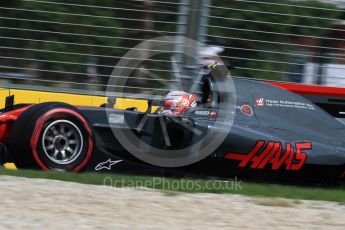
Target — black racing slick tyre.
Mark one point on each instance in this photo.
(53, 136)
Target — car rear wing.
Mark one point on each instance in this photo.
(331, 99)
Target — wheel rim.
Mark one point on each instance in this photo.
(62, 142)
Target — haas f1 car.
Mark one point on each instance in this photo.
(274, 130)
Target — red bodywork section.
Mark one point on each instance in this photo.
(311, 89)
(7, 120)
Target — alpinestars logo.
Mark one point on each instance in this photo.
(273, 154)
(106, 165)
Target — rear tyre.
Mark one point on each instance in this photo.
(51, 136)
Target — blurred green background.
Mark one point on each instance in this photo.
(63, 41)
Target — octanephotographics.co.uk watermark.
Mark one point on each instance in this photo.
(175, 184)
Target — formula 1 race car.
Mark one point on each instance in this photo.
(273, 130)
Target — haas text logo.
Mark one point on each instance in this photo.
(274, 155)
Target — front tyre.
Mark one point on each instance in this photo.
(51, 136)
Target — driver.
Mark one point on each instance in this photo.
(176, 102)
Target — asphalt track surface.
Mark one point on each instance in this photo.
(48, 204)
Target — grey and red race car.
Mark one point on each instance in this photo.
(270, 130)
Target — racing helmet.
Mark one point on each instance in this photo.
(176, 102)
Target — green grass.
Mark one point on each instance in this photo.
(171, 186)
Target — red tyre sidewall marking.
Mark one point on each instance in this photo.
(38, 129)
